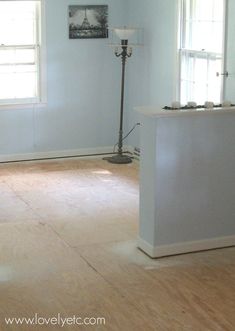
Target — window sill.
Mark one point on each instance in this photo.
(23, 106)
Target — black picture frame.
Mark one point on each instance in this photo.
(88, 21)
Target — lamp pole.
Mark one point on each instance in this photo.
(125, 53)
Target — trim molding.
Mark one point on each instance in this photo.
(185, 247)
(83, 152)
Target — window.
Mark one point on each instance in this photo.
(201, 50)
(20, 52)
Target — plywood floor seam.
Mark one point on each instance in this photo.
(68, 232)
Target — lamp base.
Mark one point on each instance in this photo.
(119, 159)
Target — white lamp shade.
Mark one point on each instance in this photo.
(124, 33)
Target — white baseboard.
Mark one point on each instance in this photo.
(58, 154)
(186, 247)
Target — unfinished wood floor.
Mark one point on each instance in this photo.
(68, 245)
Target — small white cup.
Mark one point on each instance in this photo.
(176, 105)
(192, 104)
(227, 103)
(209, 104)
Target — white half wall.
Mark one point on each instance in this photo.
(187, 179)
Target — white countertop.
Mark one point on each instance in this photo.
(159, 112)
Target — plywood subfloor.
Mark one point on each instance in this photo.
(68, 245)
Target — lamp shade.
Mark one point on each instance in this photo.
(124, 33)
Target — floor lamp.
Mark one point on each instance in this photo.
(125, 52)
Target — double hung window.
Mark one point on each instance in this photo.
(201, 50)
(20, 52)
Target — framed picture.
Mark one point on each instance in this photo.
(87, 22)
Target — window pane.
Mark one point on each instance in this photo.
(203, 25)
(199, 82)
(18, 50)
(18, 81)
(201, 50)
(12, 56)
(17, 22)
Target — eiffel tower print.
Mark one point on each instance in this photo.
(88, 22)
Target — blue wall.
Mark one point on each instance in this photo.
(83, 91)
(152, 69)
(84, 80)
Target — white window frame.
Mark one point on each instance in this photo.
(40, 47)
(202, 54)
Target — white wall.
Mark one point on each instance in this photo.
(83, 91)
